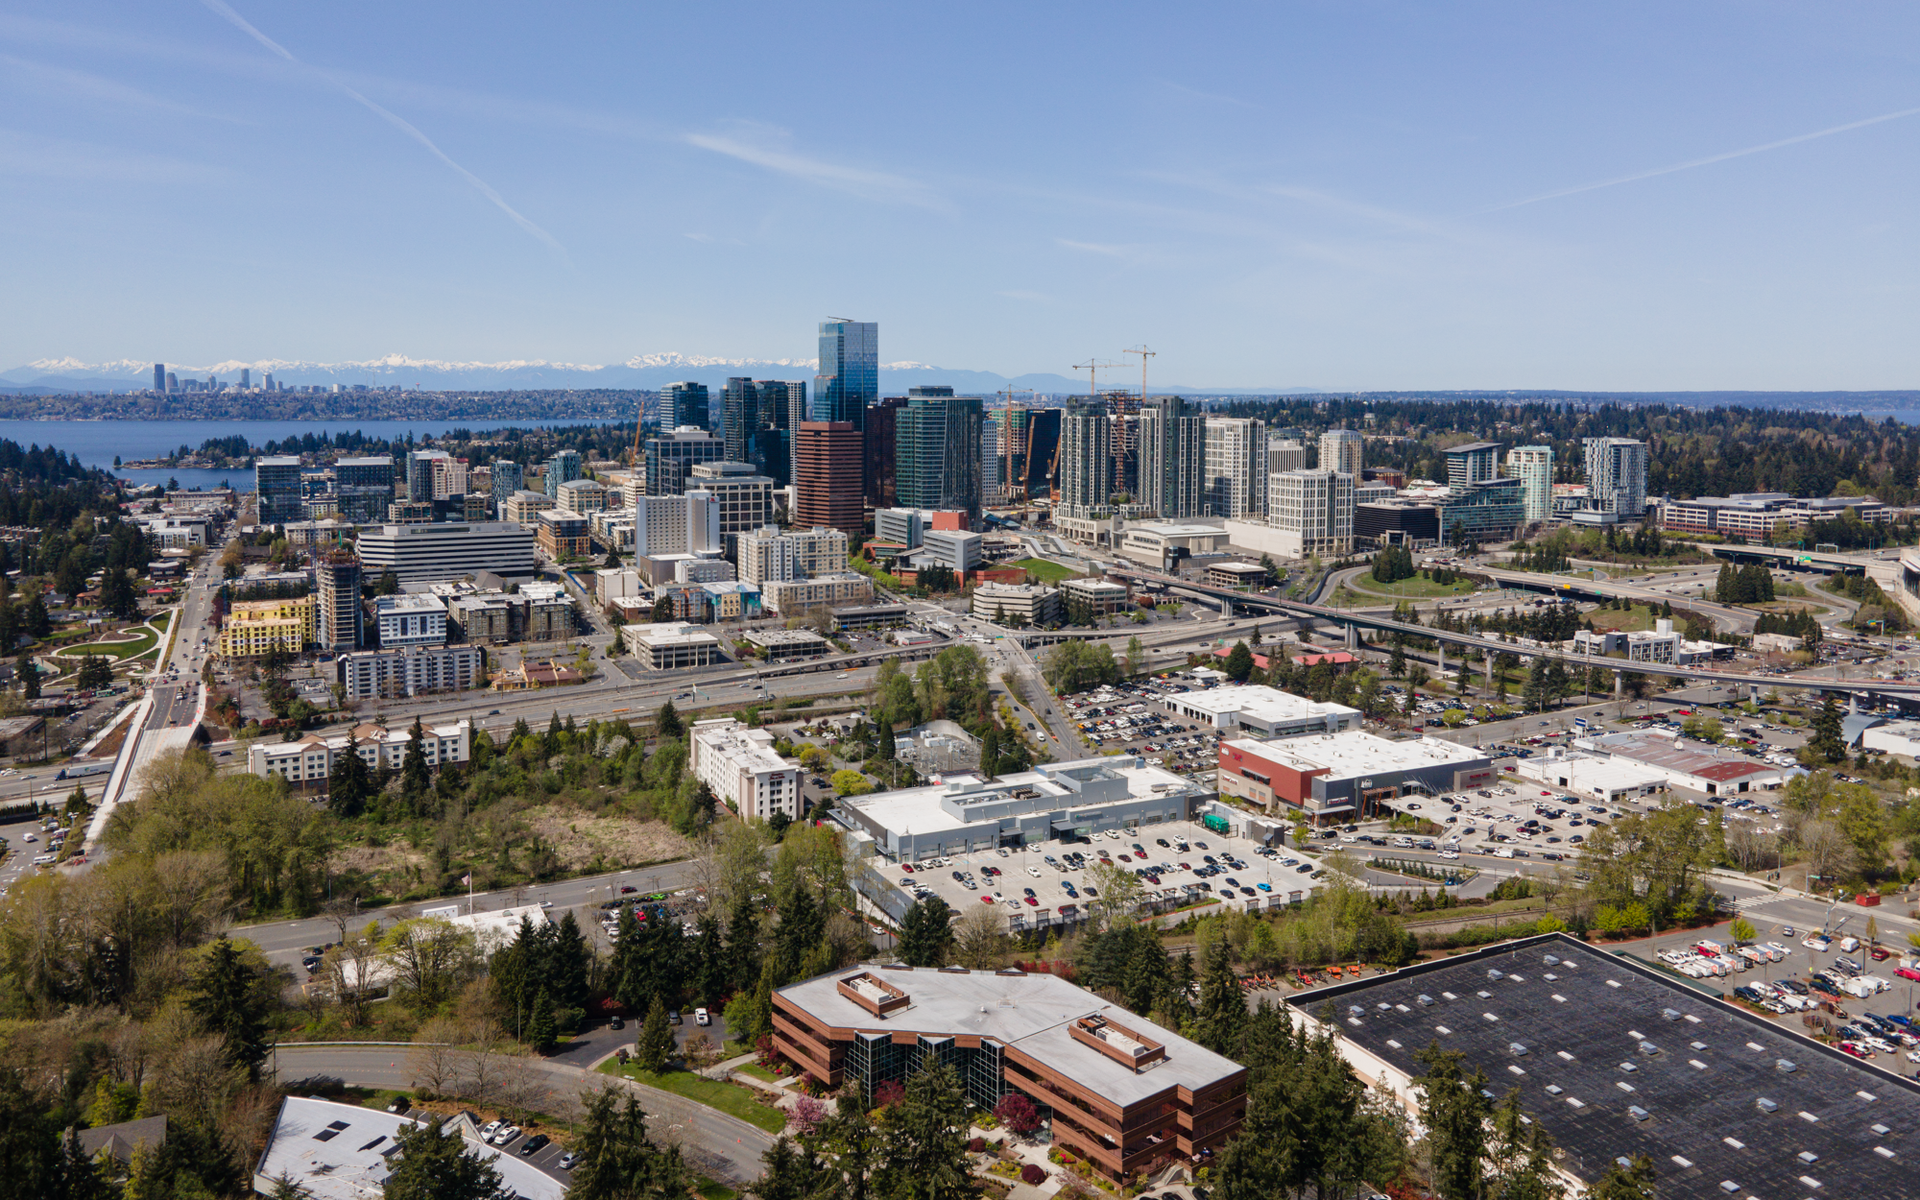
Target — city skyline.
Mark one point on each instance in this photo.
(1280, 197)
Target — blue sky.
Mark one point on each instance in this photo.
(1267, 194)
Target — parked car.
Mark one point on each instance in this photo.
(702, 1017)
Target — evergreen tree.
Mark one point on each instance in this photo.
(655, 1043)
(1635, 1181)
(1454, 1111)
(1222, 1015)
(743, 946)
(667, 725)
(541, 1034)
(926, 1156)
(349, 785)
(616, 1158)
(1239, 663)
(710, 964)
(414, 778)
(433, 1164)
(790, 1172)
(1826, 741)
(28, 674)
(233, 998)
(925, 933)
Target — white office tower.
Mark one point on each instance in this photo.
(703, 523)
(1342, 450)
(1285, 454)
(1236, 457)
(1616, 475)
(1086, 461)
(1533, 467)
(1313, 512)
(1173, 458)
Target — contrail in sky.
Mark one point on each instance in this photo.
(393, 119)
(1698, 162)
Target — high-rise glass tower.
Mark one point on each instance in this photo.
(159, 377)
(1236, 478)
(1173, 458)
(937, 451)
(1533, 467)
(1616, 475)
(1342, 450)
(564, 467)
(684, 404)
(508, 478)
(849, 377)
(276, 484)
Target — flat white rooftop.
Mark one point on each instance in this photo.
(675, 634)
(1266, 705)
(918, 810)
(345, 1152)
(1356, 752)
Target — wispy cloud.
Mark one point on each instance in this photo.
(1213, 97)
(1690, 164)
(860, 181)
(84, 85)
(1107, 249)
(27, 154)
(393, 119)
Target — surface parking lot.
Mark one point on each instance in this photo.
(1047, 883)
(1130, 717)
(1514, 816)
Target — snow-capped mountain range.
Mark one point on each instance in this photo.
(47, 375)
(639, 371)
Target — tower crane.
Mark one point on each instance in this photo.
(1006, 428)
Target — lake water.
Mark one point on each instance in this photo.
(96, 443)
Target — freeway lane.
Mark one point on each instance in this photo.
(716, 1144)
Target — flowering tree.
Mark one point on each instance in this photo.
(889, 1093)
(1017, 1113)
(805, 1116)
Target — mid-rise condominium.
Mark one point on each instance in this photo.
(1342, 450)
(338, 620)
(276, 483)
(365, 487)
(1086, 460)
(1236, 479)
(1173, 458)
(1533, 467)
(508, 478)
(937, 451)
(564, 467)
(420, 473)
(849, 377)
(771, 554)
(1312, 512)
(1616, 475)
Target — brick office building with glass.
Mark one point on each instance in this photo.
(1117, 1090)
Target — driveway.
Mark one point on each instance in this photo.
(716, 1144)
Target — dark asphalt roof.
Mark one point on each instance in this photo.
(1587, 1036)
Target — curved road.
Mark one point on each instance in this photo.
(714, 1143)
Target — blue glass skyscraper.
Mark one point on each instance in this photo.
(849, 377)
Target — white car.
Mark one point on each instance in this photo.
(1034, 871)
(702, 1017)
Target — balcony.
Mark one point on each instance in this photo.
(873, 993)
(1117, 1042)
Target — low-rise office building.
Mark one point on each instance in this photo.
(1592, 777)
(874, 616)
(564, 534)
(1340, 776)
(1100, 595)
(669, 645)
(1267, 711)
(967, 813)
(1017, 604)
(430, 553)
(410, 671)
(1116, 1090)
(783, 645)
(739, 764)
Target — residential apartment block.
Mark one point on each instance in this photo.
(256, 628)
(410, 671)
(739, 764)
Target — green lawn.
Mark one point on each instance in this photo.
(729, 1098)
(140, 644)
(758, 1072)
(1417, 588)
(1634, 620)
(1045, 569)
(709, 1190)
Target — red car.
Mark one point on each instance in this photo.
(627, 889)
(1904, 973)
(986, 899)
(1031, 901)
(907, 867)
(1880, 953)
(1857, 1052)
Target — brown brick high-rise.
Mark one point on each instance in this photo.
(830, 480)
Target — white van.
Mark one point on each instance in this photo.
(1849, 944)
(1503, 852)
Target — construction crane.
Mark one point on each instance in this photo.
(1144, 354)
(1093, 367)
(640, 418)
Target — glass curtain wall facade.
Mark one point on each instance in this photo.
(684, 404)
(849, 377)
(937, 452)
